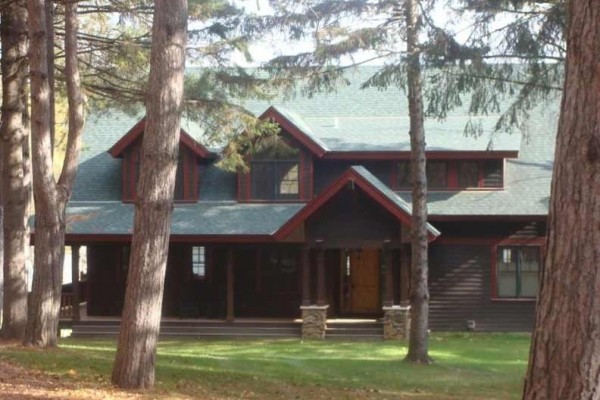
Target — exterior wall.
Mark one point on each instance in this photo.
(460, 276)
(460, 289)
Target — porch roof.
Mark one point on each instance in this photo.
(372, 186)
(200, 219)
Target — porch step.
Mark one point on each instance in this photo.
(197, 329)
(354, 330)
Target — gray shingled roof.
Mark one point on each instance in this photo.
(203, 218)
(346, 120)
(527, 179)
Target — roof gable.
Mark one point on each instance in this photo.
(373, 187)
(137, 131)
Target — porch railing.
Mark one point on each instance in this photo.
(66, 305)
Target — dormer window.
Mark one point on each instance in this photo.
(185, 189)
(192, 155)
(455, 174)
(275, 172)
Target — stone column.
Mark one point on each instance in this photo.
(314, 321)
(396, 322)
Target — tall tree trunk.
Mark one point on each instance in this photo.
(134, 362)
(418, 346)
(13, 32)
(50, 60)
(50, 197)
(565, 352)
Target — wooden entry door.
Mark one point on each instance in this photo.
(364, 281)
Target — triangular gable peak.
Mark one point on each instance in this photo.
(290, 125)
(119, 148)
(369, 184)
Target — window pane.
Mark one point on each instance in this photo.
(468, 174)
(507, 258)
(403, 177)
(529, 284)
(492, 173)
(507, 284)
(530, 259)
(287, 175)
(198, 261)
(436, 174)
(262, 180)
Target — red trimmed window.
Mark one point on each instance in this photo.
(186, 177)
(517, 271)
(451, 174)
(275, 173)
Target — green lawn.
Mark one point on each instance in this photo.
(468, 366)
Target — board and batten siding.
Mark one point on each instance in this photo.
(460, 290)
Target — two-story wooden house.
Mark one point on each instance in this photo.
(325, 222)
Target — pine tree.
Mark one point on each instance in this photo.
(13, 32)
(564, 362)
(51, 196)
(136, 351)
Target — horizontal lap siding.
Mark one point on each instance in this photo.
(460, 290)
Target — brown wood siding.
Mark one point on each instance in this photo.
(327, 171)
(352, 219)
(459, 282)
(490, 229)
(306, 175)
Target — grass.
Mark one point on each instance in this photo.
(468, 366)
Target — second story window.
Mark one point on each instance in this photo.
(453, 174)
(274, 172)
(180, 189)
(274, 179)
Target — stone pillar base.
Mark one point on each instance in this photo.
(396, 322)
(314, 321)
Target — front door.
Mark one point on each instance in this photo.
(363, 270)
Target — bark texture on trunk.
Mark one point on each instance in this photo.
(13, 32)
(136, 351)
(418, 345)
(48, 254)
(565, 351)
(50, 60)
(50, 197)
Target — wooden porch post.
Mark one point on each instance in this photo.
(405, 275)
(230, 286)
(321, 298)
(75, 281)
(306, 276)
(388, 300)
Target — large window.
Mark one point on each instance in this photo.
(517, 271)
(437, 175)
(453, 174)
(274, 179)
(199, 261)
